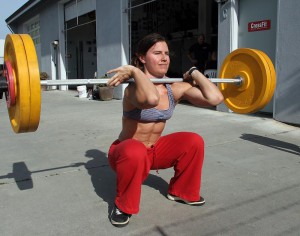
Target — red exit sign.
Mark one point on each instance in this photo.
(259, 25)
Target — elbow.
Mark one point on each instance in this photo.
(153, 101)
(148, 102)
(218, 99)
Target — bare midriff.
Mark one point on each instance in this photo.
(146, 132)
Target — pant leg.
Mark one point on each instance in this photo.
(130, 160)
(185, 152)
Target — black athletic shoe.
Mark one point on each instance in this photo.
(119, 218)
(178, 199)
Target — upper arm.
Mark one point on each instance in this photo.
(193, 94)
(131, 99)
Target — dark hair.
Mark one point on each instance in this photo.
(143, 46)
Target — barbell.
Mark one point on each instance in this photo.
(247, 81)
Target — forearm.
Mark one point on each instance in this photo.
(209, 90)
(146, 94)
(143, 93)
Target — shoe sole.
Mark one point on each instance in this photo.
(119, 224)
(178, 199)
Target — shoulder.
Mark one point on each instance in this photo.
(128, 94)
(179, 88)
(130, 88)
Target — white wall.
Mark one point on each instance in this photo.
(112, 38)
(287, 96)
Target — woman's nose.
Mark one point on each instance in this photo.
(165, 57)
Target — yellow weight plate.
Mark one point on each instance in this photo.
(273, 74)
(34, 83)
(250, 96)
(19, 113)
(265, 99)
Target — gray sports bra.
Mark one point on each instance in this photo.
(153, 114)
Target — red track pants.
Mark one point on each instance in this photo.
(132, 162)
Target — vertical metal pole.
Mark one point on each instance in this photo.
(129, 27)
(77, 10)
(66, 50)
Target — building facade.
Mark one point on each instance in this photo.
(86, 38)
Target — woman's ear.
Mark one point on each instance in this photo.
(142, 59)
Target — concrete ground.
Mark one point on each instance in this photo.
(56, 181)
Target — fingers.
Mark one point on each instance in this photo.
(187, 76)
(112, 71)
(121, 75)
(114, 80)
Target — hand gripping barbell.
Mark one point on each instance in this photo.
(247, 81)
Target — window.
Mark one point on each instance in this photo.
(33, 29)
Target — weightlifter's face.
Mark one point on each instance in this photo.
(157, 60)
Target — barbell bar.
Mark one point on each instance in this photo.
(247, 81)
(104, 81)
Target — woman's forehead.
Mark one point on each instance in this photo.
(159, 46)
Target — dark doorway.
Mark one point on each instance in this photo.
(81, 47)
(178, 21)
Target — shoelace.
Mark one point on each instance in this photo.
(118, 212)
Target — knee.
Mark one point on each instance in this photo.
(196, 140)
(197, 146)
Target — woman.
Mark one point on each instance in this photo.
(140, 146)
